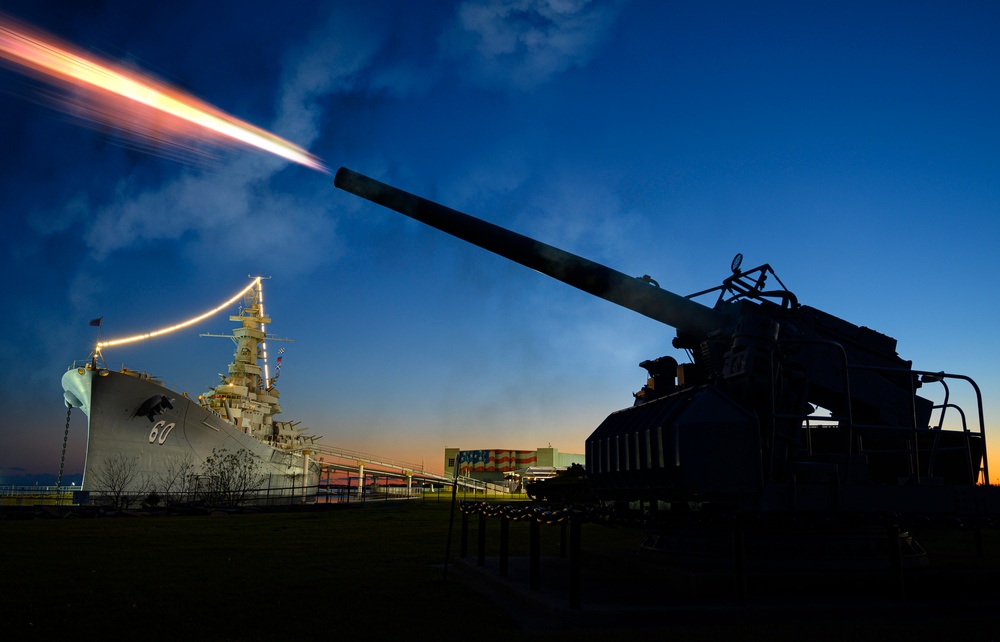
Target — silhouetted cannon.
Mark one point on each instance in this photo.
(738, 426)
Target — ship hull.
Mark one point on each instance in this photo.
(141, 446)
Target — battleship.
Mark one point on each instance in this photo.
(144, 438)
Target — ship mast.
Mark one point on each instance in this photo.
(246, 396)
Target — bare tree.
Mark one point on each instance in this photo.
(230, 478)
(119, 480)
(176, 476)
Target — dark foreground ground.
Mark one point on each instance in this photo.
(378, 572)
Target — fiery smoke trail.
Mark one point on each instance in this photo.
(131, 100)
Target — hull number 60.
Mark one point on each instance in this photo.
(158, 434)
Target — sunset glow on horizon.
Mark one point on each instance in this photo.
(132, 100)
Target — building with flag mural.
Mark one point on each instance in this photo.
(496, 465)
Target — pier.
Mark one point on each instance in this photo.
(362, 466)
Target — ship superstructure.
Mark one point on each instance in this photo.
(247, 396)
(147, 438)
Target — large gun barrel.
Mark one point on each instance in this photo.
(735, 425)
(689, 317)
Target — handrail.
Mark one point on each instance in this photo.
(927, 377)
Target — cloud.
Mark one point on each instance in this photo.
(513, 42)
(234, 213)
(245, 191)
(522, 43)
(569, 207)
(167, 212)
(582, 213)
(354, 51)
(331, 59)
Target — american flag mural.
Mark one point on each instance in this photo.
(472, 461)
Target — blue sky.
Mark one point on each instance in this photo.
(853, 146)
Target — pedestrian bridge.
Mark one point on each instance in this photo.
(343, 460)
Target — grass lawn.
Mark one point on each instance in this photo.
(374, 572)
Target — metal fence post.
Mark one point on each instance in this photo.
(575, 533)
(463, 550)
(481, 539)
(504, 544)
(534, 559)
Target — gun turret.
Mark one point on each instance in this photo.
(738, 417)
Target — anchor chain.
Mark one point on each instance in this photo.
(62, 460)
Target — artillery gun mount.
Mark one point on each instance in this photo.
(733, 436)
